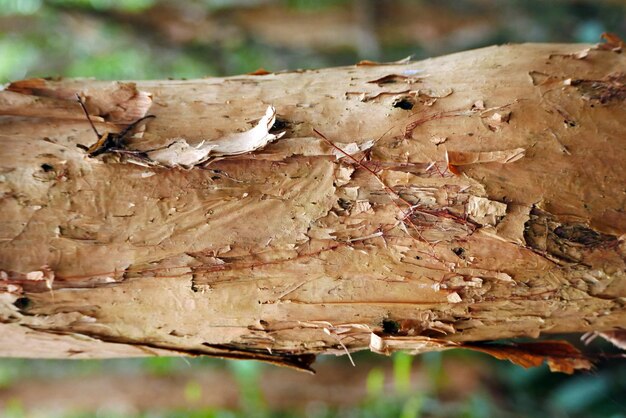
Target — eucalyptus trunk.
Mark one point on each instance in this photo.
(412, 205)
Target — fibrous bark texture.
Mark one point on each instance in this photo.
(417, 206)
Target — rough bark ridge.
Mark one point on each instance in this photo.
(446, 202)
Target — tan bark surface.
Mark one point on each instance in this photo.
(461, 199)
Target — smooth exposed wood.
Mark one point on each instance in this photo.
(492, 208)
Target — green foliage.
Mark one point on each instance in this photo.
(375, 383)
(247, 374)
(314, 4)
(19, 7)
(14, 409)
(412, 407)
(18, 57)
(120, 5)
(160, 366)
(402, 372)
(99, 38)
(511, 392)
(56, 44)
(193, 391)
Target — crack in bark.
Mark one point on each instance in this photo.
(300, 362)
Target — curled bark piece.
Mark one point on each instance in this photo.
(180, 153)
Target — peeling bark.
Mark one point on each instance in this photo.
(488, 205)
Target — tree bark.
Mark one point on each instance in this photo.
(417, 206)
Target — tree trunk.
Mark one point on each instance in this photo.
(417, 206)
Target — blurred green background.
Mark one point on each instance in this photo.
(147, 39)
(150, 39)
(450, 384)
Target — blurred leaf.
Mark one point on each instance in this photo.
(244, 58)
(18, 56)
(19, 7)
(375, 382)
(13, 409)
(187, 67)
(193, 391)
(402, 372)
(8, 374)
(412, 407)
(248, 373)
(120, 65)
(314, 4)
(159, 366)
(199, 413)
(121, 5)
(225, 414)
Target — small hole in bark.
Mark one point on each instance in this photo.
(47, 167)
(22, 303)
(390, 326)
(417, 257)
(279, 125)
(344, 204)
(405, 103)
(458, 251)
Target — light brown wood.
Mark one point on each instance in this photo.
(461, 199)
